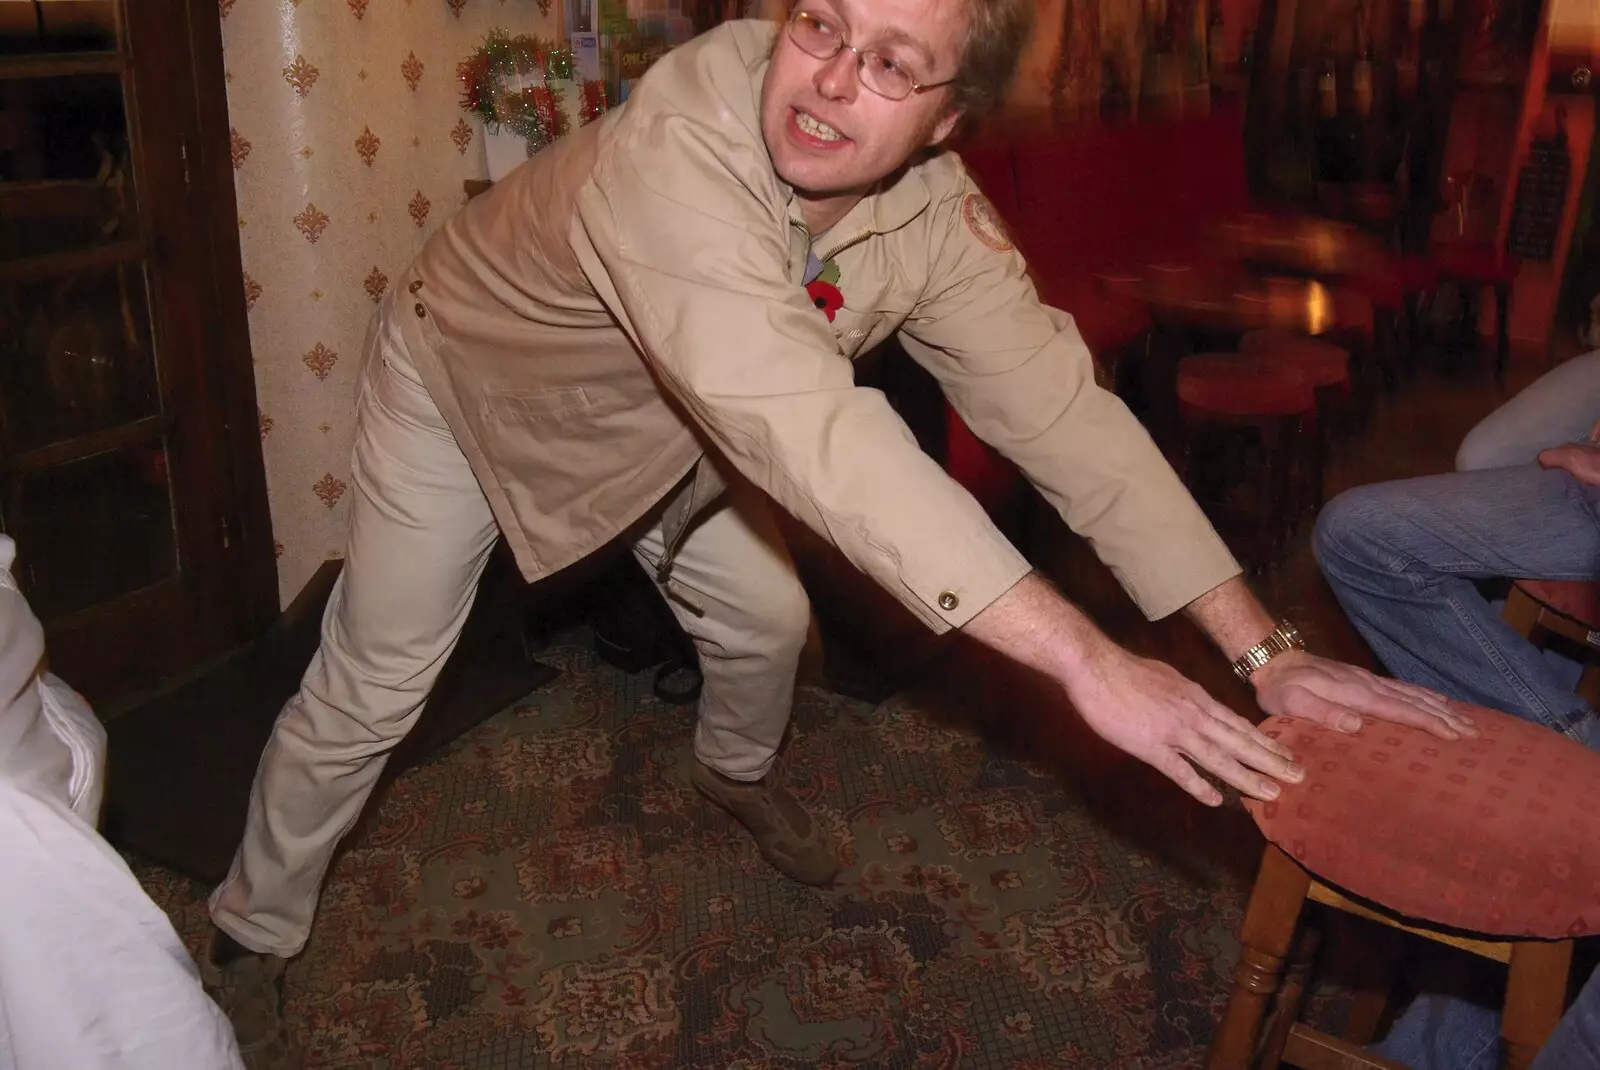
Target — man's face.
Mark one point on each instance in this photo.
(830, 135)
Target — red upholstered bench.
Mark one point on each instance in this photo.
(1492, 845)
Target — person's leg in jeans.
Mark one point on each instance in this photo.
(420, 533)
(1401, 557)
(1575, 1044)
(1558, 407)
(735, 591)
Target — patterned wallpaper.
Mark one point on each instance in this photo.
(349, 149)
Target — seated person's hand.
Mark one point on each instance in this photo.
(1340, 696)
(1580, 460)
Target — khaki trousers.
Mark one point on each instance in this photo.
(420, 533)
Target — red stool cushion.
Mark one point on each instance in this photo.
(1324, 363)
(1499, 835)
(1244, 385)
(1570, 598)
(1474, 262)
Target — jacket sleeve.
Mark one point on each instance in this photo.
(694, 261)
(1021, 377)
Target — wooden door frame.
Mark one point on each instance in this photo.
(256, 572)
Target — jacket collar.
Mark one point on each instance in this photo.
(892, 204)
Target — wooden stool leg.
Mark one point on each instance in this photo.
(1291, 997)
(1269, 926)
(1502, 334)
(1521, 612)
(1536, 996)
(1277, 483)
(1589, 685)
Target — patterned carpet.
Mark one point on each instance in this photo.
(550, 892)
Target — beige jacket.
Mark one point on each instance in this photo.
(630, 302)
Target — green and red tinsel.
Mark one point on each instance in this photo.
(506, 83)
(593, 104)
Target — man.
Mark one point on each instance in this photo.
(619, 331)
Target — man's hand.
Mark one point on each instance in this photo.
(1143, 707)
(1330, 693)
(1153, 712)
(1580, 460)
(1339, 696)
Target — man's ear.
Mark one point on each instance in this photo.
(944, 128)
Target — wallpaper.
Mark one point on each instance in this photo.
(349, 149)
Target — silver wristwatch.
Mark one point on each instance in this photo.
(1283, 637)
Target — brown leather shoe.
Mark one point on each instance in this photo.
(785, 833)
(249, 989)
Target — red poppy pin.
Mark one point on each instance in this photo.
(825, 292)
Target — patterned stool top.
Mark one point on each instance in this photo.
(1498, 835)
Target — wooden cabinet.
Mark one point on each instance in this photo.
(130, 461)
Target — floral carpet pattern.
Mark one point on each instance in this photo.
(549, 891)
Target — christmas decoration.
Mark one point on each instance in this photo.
(506, 84)
(593, 103)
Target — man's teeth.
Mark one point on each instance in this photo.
(818, 129)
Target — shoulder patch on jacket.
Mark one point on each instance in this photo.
(985, 223)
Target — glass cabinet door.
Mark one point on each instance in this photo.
(82, 427)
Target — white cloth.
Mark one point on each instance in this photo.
(49, 738)
(92, 975)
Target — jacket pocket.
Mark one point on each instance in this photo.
(516, 406)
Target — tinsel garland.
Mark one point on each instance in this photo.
(495, 86)
(593, 104)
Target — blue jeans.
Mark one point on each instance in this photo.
(1442, 1032)
(1401, 558)
(1558, 407)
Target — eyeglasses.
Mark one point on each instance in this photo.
(886, 77)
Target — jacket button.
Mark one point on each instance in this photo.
(948, 601)
(416, 284)
(421, 312)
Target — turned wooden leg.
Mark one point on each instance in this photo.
(1536, 996)
(1502, 348)
(1589, 685)
(1291, 997)
(1276, 487)
(1269, 926)
(1521, 612)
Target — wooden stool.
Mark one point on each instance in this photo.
(1277, 402)
(1475, 266)
(1328, 368)
(1396, 287)
(1488, 845)
(1568, 608)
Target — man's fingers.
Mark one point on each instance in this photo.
(1222, 763)
(1183, 774)
(1249, 743)
(1433, 701)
